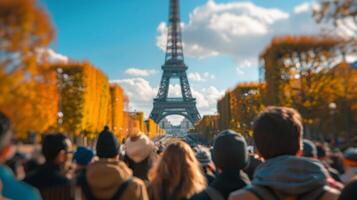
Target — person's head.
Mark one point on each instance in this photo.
(321, 151)
(204, 157)
(350, 191)
(230, 151)
(179, 169)
(350, 158)
(83, 156)
(5, 138)
(55, 148)
(309, 149)
(107, 145)
(278, 131)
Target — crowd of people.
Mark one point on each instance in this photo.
(282, 165)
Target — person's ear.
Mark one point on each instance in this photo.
(61, 156)
(300, 152)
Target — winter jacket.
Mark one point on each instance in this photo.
(289, 177)
(225, 183)
(50, 182)
(16, 190)
(105, 176)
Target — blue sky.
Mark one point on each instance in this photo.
(222, 40)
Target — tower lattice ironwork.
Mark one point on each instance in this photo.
(174, 67)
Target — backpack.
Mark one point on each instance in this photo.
(266, 193)
(89, 195)
(214, 194)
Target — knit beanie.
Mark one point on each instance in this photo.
(107, 144)
(204, 157)
(230, 151)
(309, 150)
(83, 156)
(140, 148)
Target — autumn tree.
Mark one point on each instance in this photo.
(27, 86)
(296, 73)
(248, 105)
(339, 12)
(85, 99)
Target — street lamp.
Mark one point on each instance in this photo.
(60, 77)
(332, 106)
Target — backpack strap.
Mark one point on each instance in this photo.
(262, 193)
(213, 193)
(86, 190)
(315, 194)
(122, 189)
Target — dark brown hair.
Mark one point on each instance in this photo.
(278, 131)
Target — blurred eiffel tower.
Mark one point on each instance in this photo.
(174, 68)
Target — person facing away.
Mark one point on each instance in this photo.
(230, 156)
(204, 157)
(177, 175)
(277, 133)
(50, 178)
(140, 154)
(81, 158)
(350, 163)
(310, 151)
(11, 188)
(109, 178)
(350, 191)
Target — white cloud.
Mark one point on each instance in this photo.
(51, 55)
(140, 93)
(304, 7)
(239, 71)
(200, 77)
(140, 72)
(240, 30)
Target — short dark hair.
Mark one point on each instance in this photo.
(278, 131)
(52, 144)
(5, 126)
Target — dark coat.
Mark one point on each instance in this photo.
(50, 182)
(48, 175)
(225, 183)
(141, 169)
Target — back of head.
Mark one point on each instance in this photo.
(321, 151)
(5, 132)
(350, 191)
(107, 144)
(204, 156)
(350, 157)
(278, 131)
(230, 151)
(177, 168)
(83, 156)
(53, 144)
(309, 149)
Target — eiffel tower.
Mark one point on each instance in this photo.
(174, 68)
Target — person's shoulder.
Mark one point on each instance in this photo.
(331, 194)
(24, 191)
(242, 195)
(200, 196)
(137, 182)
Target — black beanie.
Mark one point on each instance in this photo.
(230, 151)
(107, 144)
